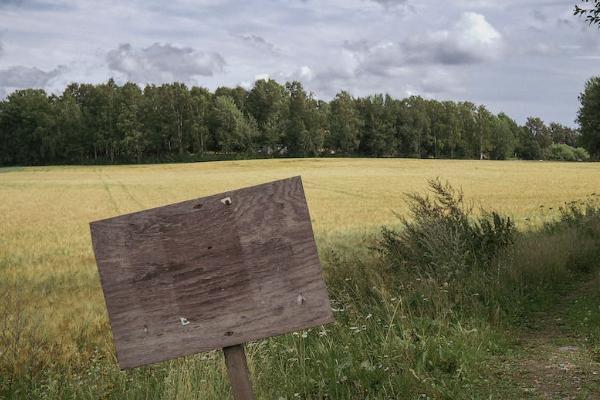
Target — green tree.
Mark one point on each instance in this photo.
(124, 123)
(70, 142)
(129, 123)
(454, 129)
(108, 139)
(233, 131)
(317, 127)
(154, 121)
(177, 100)
(503, 137)
(484, 122)
(27, 122)
(539, 131)
(467, 113)
(267, 103)
(238, 94)
(563, 134)
(379, 133)
(588, 117)
(91, 105)
(527, 147)
(304, 131)
(344, 124)
(197, 121)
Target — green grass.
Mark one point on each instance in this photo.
(397, 334)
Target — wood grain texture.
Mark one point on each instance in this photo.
(237, 369)
(210, 273)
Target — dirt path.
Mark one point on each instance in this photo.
(552, 359)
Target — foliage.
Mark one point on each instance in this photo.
(564, 152)
(581, 154)
(588, 116)
(344, 124)
(578, 213)
(442, 238)
(502, 138)
(591, 14)
(233, 131)
(109, 123)
(582, 219)
(528, 148)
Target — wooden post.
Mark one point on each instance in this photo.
(235, 359)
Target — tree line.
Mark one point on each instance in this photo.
(111, 123)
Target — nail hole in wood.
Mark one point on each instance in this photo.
(226, 201)
(199, 205)
(229, 333)
(209, 247)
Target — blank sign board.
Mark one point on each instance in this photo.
(209, 273)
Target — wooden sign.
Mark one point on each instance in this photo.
(210, 273)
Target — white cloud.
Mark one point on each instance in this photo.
(471, 40)
(475, 29)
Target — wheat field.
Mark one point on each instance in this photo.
(45, 211)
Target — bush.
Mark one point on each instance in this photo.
(581, 154)
(443, 237)
(560, 152)
(564, 152)
(583, 219)
(460, 261)
(582, 214)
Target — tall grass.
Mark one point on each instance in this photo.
(420, 308)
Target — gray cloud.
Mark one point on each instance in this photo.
(163, 63)
(19, 76)
(539, 15)
(525, 58)
(428, 81)
(391, 3)
(429, 63)
(386, 4)
(38, 5)
(259, 42)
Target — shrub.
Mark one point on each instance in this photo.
(443, 237)
(564, 152)
(561, 152)
(583, 219)
(446, 253)
(584, 214)
(581, 154)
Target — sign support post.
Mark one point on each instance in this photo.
(237, 368)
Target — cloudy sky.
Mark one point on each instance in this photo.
(523, 57)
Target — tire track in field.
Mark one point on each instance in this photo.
(110, 195)
(130, 195)
(339, 191)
